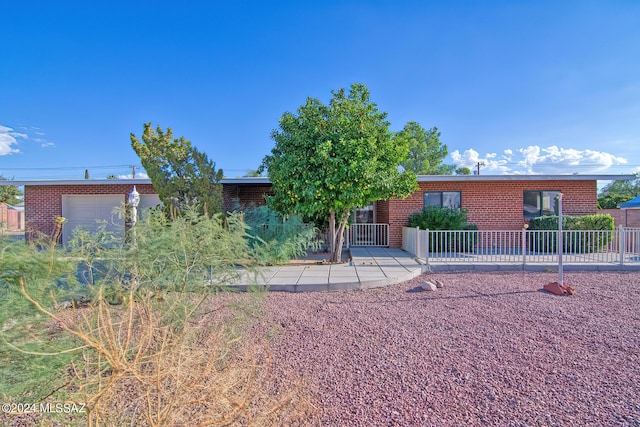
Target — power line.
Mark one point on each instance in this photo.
(66, 168)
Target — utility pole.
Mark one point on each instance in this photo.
(133, 171)
(478, 165)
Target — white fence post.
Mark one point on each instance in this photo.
(388, 235)
(524, 247)
(418, 242)
(622, 243)
(426, 246)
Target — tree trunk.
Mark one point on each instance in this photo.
(332, 232)
(336, 253)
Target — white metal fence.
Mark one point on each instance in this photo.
(620, 246)
(362, 235)
(368, 235)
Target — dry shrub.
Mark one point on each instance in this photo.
(160, 357)
(143, 366)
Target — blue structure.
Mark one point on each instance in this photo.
(630, 204)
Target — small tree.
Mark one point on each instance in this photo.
(182, 175)
(463, 171)
(618, 192)
(331, 159)
(9, 194)
(426, 152)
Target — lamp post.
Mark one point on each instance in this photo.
(134, 201)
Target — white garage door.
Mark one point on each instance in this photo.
(86, 210)
(148, 201)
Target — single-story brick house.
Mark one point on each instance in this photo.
(493, 202)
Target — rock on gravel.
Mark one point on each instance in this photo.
(428, 286)
(488, 349)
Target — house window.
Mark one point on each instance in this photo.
(364, 215)
(445, 199)
(540, 203)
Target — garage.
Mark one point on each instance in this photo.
(86, 210)
(148, 201)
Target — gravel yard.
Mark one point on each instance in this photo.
(488, 349)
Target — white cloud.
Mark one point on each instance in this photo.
(537, 160)
(488, 164)
(555, 159)
(44, 143)
(8, 139)
(139, 175)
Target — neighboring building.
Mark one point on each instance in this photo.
(631, 204)
(11, 217)
(493, 202)
(626, 215)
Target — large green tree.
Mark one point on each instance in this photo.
(618, 192)
(182, 175)
(9, 194)
(331, 159)
(426, 152)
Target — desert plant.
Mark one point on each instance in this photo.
(188, 252)
(25, 373)
(161, 356)
(276, 240)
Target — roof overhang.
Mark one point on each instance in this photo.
(244, 180)
(76, 182)
(248, 180)
(449, 178)
(263, 180)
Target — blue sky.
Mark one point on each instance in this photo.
(525, 86)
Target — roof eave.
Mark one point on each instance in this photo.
(576, 177)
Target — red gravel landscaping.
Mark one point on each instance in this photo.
(488, 349)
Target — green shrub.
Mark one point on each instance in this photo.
(572, 242)
(169, 350)
(440, 218)
(276, 240)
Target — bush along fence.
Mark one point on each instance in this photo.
(617, 246)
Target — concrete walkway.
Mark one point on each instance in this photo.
(379, 267)
(369, 268)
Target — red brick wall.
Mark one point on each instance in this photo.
(493, 205)
(246, 195)
(44, 202)
(382, 212)
(623, 217)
